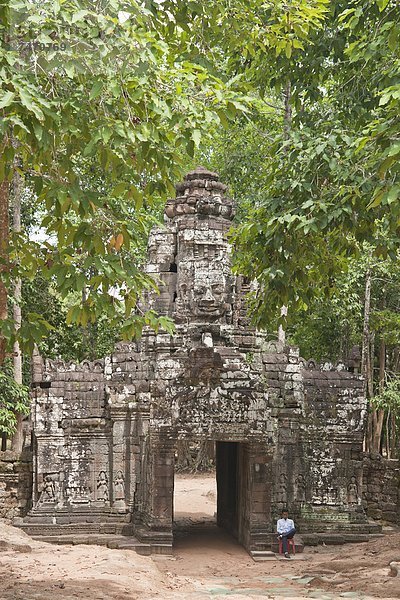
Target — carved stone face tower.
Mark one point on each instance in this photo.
(287, 433)
(191, 257)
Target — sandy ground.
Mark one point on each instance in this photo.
(207, 563)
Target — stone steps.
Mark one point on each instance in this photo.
(45, 529)
(262, 555)
(309, 527)
(313, 539)
(119, 542)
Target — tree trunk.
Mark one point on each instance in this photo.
(378, 417)
(396, 359)
(370, 365)
(382, 371)
(4, 241)
(365, 358)
(394, 449)
(196, 457)
(205, 458)
(184, 456)
(287, 125)
(281, 331)
(287, 117)
(366, 336)
(17, 189)
(388, 433)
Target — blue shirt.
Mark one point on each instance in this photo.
(284, 525)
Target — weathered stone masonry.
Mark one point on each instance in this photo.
(381, 488)
(15, 484)
(287, 433)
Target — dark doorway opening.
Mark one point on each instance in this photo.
(228, 490)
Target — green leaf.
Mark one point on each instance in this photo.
(96, 89)
(382, 4)
(79, 15)
(393, 194)
(196, 137)
(6, 99)
(29, 103)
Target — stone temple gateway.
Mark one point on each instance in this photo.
(287, 433)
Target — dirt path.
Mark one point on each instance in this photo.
(207, 564)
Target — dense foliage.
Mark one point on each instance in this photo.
(331, 175)
(103, 83)
(14, 398)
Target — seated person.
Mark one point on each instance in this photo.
(286, 530)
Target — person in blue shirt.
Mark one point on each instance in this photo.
(286, 530)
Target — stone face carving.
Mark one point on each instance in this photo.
(202, 294)
(208, 296)
(285, 429)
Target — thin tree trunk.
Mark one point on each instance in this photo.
(388, 433)
(287, 125)
(365, 352)
(394, 450)
(17, 441)
(396, 359)
(382, 371)
(366, 336)
(378, 420)
(4, 241)
(287, 117)
(382, 364)
(378, 415)
(370, 365)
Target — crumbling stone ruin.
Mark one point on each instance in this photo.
(381, 488)
(287, 433)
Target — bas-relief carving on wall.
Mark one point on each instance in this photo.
(102, 487)
(119, 486)
(301, 489)
(352, 492)
(49, 491)
(281, 496)
(78, 495)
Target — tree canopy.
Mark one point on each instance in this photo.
(99, 106)
(331, 175)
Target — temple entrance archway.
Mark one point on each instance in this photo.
(243, 478)
(237, 497)
(216, 499)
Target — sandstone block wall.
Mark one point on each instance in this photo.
(381, 488)
(15, 484)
